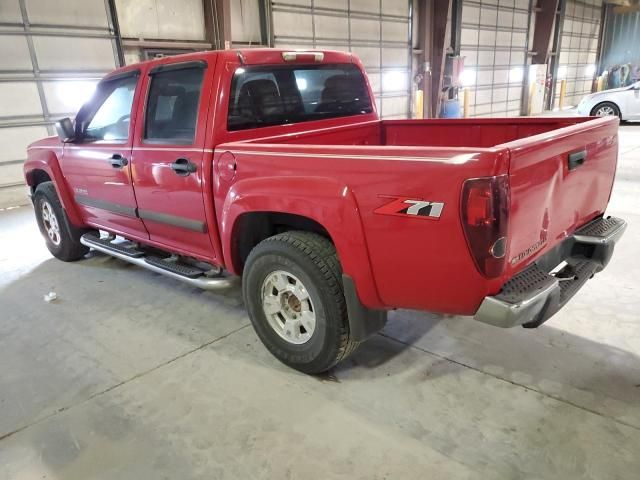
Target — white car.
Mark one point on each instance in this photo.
(623, 102)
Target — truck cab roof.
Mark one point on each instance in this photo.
(249, 56)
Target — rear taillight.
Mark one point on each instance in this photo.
(485, 218)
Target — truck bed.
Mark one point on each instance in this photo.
(471, 133)
(427, 264)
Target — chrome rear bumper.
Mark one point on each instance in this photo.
(534, 295)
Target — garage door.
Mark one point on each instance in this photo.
(578, 49)
(51, 55)
(378, 31)
(493, 40)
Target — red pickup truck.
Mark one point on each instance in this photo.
(274, 166)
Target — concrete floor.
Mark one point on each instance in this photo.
(130, 375)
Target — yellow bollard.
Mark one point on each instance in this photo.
(467, 98)
(563, 93)
(600, 84)
(419, 103)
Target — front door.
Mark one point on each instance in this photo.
(169, 155)
(97, 165)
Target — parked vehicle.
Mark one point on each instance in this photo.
(274, 166)
(619, 102)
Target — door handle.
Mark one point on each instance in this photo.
(118, 161)
(183, 167)
(576, 159)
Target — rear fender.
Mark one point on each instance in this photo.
(324, 200)
(47, 161)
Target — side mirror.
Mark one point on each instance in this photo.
(65, 130)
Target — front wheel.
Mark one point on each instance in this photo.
(62, 238)
(292, 287)
(605, 109)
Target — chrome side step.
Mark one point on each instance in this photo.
(120, 252)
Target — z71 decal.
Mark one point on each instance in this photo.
(404, 206)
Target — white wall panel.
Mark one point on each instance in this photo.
(88, 13)
(330, 26)
(294, 24)
(395, 106)
(245, 21)
(10, 174)
(14, 53)
(399, 8)
(365, 6)
(19, 99)
(10, 11)
(14, 141)
(161, 19)
(365, 29)
(394, 32)
(329, 3)
(395, 57)
(67, 53)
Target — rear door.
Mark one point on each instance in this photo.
(98, 165)
(169, 157)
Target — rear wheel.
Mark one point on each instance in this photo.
(61, 237)
(605, 109)
(292, 287)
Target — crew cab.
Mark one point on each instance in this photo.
(273, 166)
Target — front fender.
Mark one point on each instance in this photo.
(324, 200)
(47, 161)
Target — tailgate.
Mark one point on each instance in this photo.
(559, 181)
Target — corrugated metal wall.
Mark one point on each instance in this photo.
(493, 40)
(378, 31)
(578, 49)
(621, 47)
(160, 20)
(51, 55)
(245, 22)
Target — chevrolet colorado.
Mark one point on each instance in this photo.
(274, 166)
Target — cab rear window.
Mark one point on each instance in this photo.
(278, 95)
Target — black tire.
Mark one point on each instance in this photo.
(313, 260)
(615, 110)
(66, 246)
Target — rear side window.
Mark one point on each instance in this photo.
(172, 106)
(277, 95)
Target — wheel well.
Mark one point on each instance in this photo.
(36, 177)
(251, 228)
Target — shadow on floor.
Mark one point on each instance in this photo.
(593, 375)
(90, 338)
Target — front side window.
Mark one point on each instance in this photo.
(278, 95)
(172, 107)
(111, 111)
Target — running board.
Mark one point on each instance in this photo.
(156, 264)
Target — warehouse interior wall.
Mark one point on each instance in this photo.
(494, 43)
(51, 56)
(246, 23)
(152, 28)
(621, 48)
(578, 50)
